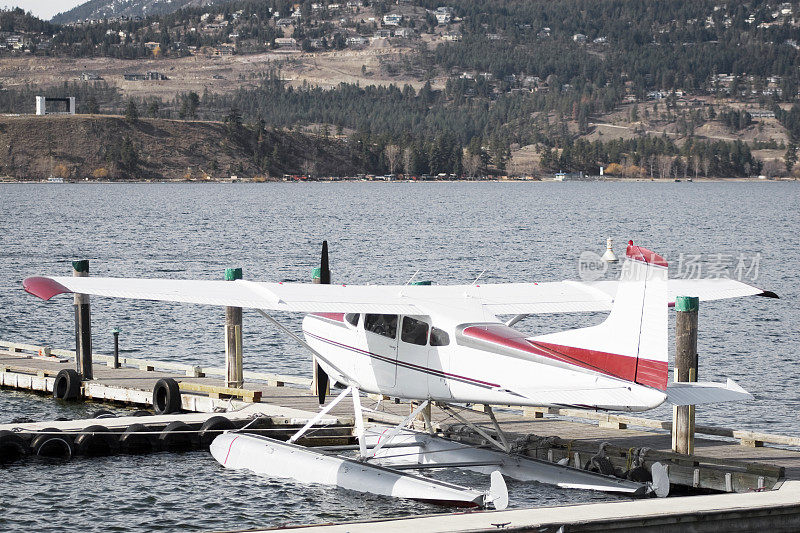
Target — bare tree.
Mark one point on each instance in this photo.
(696, 163)
(309, 167)
(392, 152)
(471, 162)
(664, 166)
(706, 162)
(408, 160)
(771, 168)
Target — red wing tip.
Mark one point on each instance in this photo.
(639, 253)
(44, 288)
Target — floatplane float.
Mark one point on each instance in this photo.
(446, 345)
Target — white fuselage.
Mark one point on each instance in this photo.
(406, 362)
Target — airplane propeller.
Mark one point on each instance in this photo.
(325, 279)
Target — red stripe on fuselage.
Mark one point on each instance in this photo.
(650, 373)
(338, 317)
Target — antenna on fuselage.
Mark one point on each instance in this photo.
(322, 276)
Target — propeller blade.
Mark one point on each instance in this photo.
(322, 382)
(324, 267)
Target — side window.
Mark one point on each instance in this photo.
(439, 337)
(385, 325)
(352, 318)
(414, 331)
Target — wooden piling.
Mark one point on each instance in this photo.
(686, 308)
(234, 372)
(83, 324)
(115, 332)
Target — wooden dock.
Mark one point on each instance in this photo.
(773, 511)
(731, 461)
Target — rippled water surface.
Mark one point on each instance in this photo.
(378, 233)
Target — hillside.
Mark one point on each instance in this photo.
(106, 147)
(101, 9)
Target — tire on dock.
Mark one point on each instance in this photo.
(141, 412)
(104, 413)
(176, 437)
(12, 447)
(135, 440)
(166, 396)
(53, 443)
(95, 441)
(213, 427)
(67, 385)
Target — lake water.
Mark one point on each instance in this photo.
(378, 233)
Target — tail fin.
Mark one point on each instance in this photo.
(632, 342)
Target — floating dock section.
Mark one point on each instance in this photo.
(759, 471)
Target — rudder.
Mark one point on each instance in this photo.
(632, 342)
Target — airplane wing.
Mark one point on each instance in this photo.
(497, 299)
(705, 289)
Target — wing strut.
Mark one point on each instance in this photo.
(322, 413)
(302, 343)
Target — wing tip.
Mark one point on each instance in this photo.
(768, 294)
(44, 288)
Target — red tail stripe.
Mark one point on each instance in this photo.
(642, 371)
(652, 373)
(639, 253)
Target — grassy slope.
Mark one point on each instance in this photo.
(35, 147)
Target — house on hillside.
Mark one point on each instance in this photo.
(147, 76)
(392, 19)
(357, 40)
(224, 49)
(286, 43)
(443, 17)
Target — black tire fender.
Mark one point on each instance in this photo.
(95, 441)
(53, 443)
(166, 396)
(67, 385)
(134, 440)
(175, 437)
(104, 413)
(602, 465)
(12, 447)
(212, 428)
(640, 474)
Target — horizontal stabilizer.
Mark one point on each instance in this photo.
(703, 392)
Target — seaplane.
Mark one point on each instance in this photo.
(447, 345)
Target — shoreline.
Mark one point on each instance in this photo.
(359, 180)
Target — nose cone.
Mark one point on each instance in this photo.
(221, 446)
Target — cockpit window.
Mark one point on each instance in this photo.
(352, 318)
(439, 337)
(414, 331)
(385, 325)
